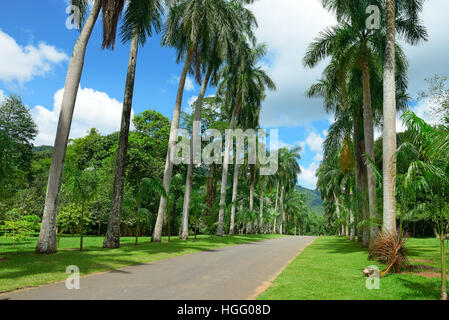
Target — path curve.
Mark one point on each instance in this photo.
(230, 273)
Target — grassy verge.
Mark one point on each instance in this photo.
(331, 269)
(21, 267)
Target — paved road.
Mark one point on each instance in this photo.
(230, 273)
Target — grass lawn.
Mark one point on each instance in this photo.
(21, 267)
(331, 269)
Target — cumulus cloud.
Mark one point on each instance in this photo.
(307, 178)
(189, 85)
(22, 64)
(93, 109)
(287, 28)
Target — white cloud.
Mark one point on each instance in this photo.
(189, 85)
(307, 178)
(93, 109)
(287, 27)
(318, 157)
(22, 64)
(315, 142)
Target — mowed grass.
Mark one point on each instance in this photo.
(20, 267)
(331, 269)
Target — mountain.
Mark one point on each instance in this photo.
(314, 199)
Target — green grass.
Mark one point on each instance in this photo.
(21, 267)
(331, 269)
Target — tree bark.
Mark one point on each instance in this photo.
(211, 190)
(235, 184)
(224, 176)
(358, 173)
(368, 119)
(112, 238)
(365, 203)
(281, 211)
(168, 171)
(47, 236)
(389, 130)
(276, 207)
(195, 141)
(261, 200)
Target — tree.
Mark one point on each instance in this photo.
(82, 187)
(111, 13)
(242, 86)
(364, 47)
(17, 132)
(141, 17)
(427, 179)
(188, 31)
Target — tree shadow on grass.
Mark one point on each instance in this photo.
(420, 288)
(27, 268)
(339, 245)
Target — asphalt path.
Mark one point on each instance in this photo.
(231, 273)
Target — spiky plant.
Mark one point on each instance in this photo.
(389, 249)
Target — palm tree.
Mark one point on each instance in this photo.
(141, 18)
(410, 9)
(213, 55)
(243, 84)
(289, 170)
(111, 13)
(188, 29)
(365, 47)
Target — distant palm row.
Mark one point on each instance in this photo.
(363, 85)
(215, 41)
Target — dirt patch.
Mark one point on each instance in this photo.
(68, 249)
(422, 260)
(428, 272)
(428, 275)
(3, 259)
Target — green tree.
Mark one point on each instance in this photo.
(142, 17)
(111, 12)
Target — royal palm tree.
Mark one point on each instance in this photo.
(243, 85)
(111, 13)
(189, 27)
(366, 47)
(289, 170)
(142, 17)
(215, 50)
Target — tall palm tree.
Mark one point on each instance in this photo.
(366, 46)
(213, 56)
(111, 13)
(188, 29)
(410, 9)
(289, 170)
(141, 18)
(243, 85)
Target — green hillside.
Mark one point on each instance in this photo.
(314, 199)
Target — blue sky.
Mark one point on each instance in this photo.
(35, 47)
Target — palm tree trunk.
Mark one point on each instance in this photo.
(261, 204)
(194, 142)
(281, 211)
(365, 204)
(224, 176)
(389, 130)
(211, 190)
(276, 207)
(368, 119)
(47, 236)
(358, 173)
(252, 186)
(235, 185)
(112, 238)
(168, 171)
